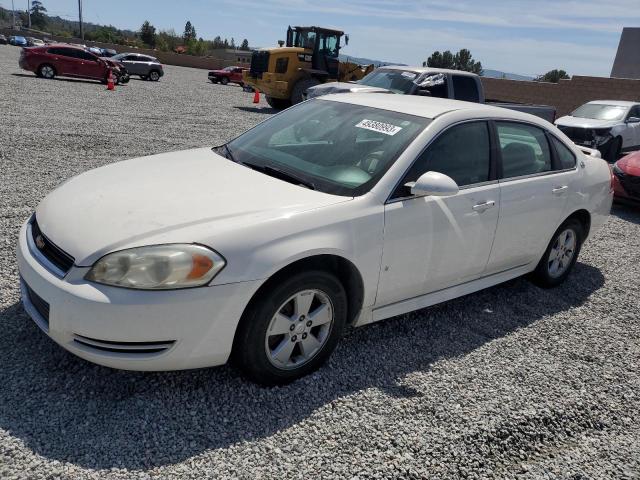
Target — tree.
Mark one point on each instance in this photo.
(233, 43)
(244, 45)
(38, 17)
(189, 32)
(463, 60)
(218, 43)
(553, 76)
(148, 34)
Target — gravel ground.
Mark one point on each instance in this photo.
(511, 382)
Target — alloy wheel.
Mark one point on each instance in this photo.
(562, 253)
(299, 329)
(47, 71)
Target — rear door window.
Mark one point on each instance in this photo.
(524, 149)
(566, 158)
(65, 52)
(465, 88)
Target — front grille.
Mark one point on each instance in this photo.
(630, 183)
(54, 254)
(577, 134)
(38, 303)
(259, 63)
(125, 348)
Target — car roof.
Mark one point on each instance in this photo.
(427, 107)
(618, 103)
(410, 68)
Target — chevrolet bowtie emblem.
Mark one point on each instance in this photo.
(40, 242)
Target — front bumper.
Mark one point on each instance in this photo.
(132, 329)
(626, 188)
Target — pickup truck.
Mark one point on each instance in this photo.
(426, 81)
(227, 75)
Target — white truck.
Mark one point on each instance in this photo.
(429, 82)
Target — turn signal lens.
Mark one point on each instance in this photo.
(158, 267)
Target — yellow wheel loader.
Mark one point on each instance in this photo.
(310, 57)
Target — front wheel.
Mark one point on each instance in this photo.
(613, 153)
(560, 256)
(291, 329)
(224, 80)
(154, 76)
(278, 103)
(46, 71)
(300, 88)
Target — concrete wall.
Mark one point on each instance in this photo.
(566, 95)
(627, 62)
(222, 59)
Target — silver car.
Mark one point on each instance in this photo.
(145, 66)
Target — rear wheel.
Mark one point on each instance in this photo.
(291, 329)
(46, 71)
(278, 103)
(301, 87)
(154, 75)
(560, 256)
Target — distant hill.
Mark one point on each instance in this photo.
(367, 61)
(508, 76)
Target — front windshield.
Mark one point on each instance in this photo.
(398, 81)
(599, 111)
(335, 147)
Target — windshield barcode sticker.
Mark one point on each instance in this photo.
(380, 127)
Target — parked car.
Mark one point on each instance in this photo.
(339, 211)
(3, 40)
(108, 52)
(227, 75)
(34, 42)
(67, 61)
(18, 41)
(626, 185)
(145, 66)
(428, 82)
(611, 126)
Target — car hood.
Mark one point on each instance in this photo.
(569, 121)
(342, 87)
(156, 199)
(630, 164)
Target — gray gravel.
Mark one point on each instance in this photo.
(511, 382)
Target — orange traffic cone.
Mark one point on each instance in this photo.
(111, 81)
(256, 96)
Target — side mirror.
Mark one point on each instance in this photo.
(435, 184)
(633, 120)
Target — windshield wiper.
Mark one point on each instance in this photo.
(282, 175)
(227, 152)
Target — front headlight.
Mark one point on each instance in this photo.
(158, 267)
(601, 137)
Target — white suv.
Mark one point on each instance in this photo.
(611, 126)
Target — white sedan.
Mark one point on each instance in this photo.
(340, 211)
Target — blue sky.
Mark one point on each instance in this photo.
(519, 36)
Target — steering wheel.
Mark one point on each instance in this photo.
(371, 162)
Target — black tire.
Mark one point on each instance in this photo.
(278, 103)
(224, 80)
(613, 153)
(301, 87)
(44, 71)
(154, 75)
(541, 276)
(250, 350)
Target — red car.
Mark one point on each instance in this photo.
(227, 75)
(68, 61)
(626, 178)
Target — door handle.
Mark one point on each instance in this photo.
(481, 207)
(558, 190)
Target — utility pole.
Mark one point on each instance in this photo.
(13, 10)
(29, 13)
(80, 16)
